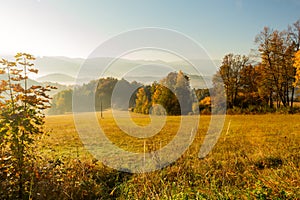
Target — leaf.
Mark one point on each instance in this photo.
(4, 61)
(51, 87)
(16, 71)
(11, 64)
(15, 79)
(33, 70)
(34, 87)
(18, 55)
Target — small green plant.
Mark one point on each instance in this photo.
(21, 119)
(261, 191)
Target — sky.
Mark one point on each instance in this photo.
(74, 28)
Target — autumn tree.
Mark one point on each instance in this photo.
(142, 101)
(166, 98)
(230, 73)
(170, 80)
(297, 67)
(184, 93)
(104, 91)
(249, 93)
(294, 33)
(174, 94)
(201, 93)
(21, 119)
(276, 52)
(122, 94)
(61, 102)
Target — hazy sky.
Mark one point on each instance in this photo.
(75, 28)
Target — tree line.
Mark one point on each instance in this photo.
(269, 83)
(172, 95)
(263, 82)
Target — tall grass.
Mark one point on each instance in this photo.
(256, 157)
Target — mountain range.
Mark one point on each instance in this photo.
(60, 87)
(70, 71)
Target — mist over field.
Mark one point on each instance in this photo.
(64, 70)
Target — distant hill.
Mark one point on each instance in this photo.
(31, 82)
(62, 65)
(57, 78)
(196, 81)
(60, 87)
(200, 82)
(64, 70)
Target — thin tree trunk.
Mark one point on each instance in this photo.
(271, 100)
(292, 97)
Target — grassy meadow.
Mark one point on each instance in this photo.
(256, 157)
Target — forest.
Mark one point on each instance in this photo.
(265, 81)
(171, 92)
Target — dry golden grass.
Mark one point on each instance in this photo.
(258, 157)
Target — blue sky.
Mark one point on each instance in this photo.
(75, 28)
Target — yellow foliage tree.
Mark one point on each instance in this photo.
(142, 102)
(206, 101)
(297, 66)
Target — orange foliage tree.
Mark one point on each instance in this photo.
(21, 119)
(297, 66)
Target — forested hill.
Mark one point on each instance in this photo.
(168, 92)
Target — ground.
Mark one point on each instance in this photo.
(257, 156)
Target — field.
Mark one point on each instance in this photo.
(257, 156)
